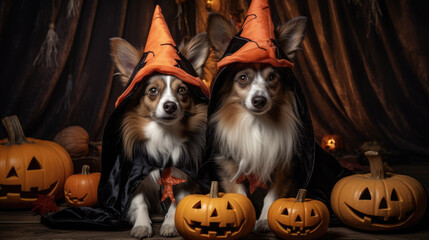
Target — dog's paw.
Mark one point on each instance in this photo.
(261, 226)
(168, 230)
(141, 232)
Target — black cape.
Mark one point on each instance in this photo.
(119, 176)
(317, 171)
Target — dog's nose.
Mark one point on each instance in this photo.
(170, 107)
(259, 101)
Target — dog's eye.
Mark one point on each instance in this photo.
(153, 91)
(242, 79)
(272, 79)
(182, 91)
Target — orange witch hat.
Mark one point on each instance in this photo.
(161, 56)
(258, 32)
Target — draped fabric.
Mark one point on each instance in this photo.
(363, 66)
(40, 95)
(363, 69)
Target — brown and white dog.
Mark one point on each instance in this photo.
(167, 123)
(256, 125)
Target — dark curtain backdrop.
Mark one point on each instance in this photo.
(82, 89)
(363, 64)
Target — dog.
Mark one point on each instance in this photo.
(256, 125)
(165, 120)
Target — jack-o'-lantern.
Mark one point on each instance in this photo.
(378, 200)
(81, 189)
(215, 215)
(332, 143)
(29, 167)
(298, 218)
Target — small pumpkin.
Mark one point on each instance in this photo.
(29, 167)
(81, 189)
(215, 215)
(75, 140)
(378, 200)
(298, 218)
(332, 142)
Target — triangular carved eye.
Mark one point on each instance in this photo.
(34, 164)
(394, 196)
(365, 195)
(214, 213)
(312, 214)
(229, 206)
(197, 205)
(285, 212)
(12, 173)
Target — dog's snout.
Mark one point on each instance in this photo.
(259, 101)
(170, 107)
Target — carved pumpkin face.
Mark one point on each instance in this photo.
(332, 143)
(368, 202)
(291, 218)
(28, 169)
(81, 189)
(228, 216)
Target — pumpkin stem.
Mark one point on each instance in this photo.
(14, 130)
(376, 165)
(85, 169)
(214, 189)
(300, 197)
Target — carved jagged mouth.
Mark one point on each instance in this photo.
(5, 189)
(76, 199)
(298, 230)
(214, 228)
(380, 219)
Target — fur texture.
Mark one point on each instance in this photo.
(256, 124)
(247, 137)
(163, 120)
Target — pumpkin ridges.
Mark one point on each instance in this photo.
(318, 224)
(59, 149)
(49, 158)
(82, 185)
(75, 140)
(381, 212)
(62, 153)
(186, 213)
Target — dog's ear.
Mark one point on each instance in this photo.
(125, 57)
(196, 51)
(220, 32)
(290, 35)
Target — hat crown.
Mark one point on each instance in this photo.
(258, 25)
(161, 56)
(257, 33)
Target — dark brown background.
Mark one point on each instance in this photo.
(363, 65)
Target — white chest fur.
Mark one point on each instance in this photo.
(163, 142)
(257, 147)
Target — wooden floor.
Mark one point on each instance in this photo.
(24, 225)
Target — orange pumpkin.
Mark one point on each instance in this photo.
(30, 166)
(75, 140)
(378, 200)
(332, 143)
(81, 189)
(298, 218)
(215, 215)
